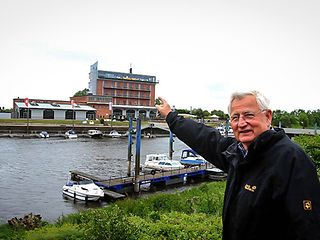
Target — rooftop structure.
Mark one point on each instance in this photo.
(131, 94)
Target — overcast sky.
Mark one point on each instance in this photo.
(200, 50)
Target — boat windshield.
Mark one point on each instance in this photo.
(85, 182)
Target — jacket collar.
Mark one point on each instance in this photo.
(262, 142)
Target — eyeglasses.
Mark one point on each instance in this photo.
(246, 116)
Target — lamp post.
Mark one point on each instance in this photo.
(26, 102)
(73, 116)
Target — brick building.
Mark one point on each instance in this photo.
(120, 95)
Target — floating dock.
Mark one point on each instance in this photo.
(116, 188)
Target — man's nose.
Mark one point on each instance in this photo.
(241, 122)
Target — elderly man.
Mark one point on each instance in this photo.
(272, 190)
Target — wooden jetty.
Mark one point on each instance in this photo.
(116, 188)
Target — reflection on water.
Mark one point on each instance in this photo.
(33, 171)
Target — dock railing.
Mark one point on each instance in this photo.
(147, 176)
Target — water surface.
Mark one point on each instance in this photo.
(33, 171)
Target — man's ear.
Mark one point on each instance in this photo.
(269, 116)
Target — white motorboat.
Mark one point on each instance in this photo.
(44, 134)
(190, 158)
(114, 134)
(94, 133)
(85, 190)
(160, 162)
(215, 173)
(230, 132)
(70, 134)
(222, 131)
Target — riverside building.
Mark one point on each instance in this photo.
(51, 109)
(120, 95)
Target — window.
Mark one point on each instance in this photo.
(70, 114)
(91, 115)
(24, 113)
(48, 114)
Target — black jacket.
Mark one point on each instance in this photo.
(272, 193)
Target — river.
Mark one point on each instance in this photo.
(33, 171)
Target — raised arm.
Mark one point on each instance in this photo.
(164, 107)
(203, 139)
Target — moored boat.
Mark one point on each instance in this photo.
(85, 190)
(94, 133)
(70, 134)
(44, 134)
(160, 162)
(215, 173)
(190, 158)
(114, 134)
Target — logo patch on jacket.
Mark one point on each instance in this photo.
(307, 205)
(250, 188)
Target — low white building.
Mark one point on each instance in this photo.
(54, 111)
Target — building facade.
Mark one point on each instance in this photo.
(126, 94)
(102, 104)
(52, 109)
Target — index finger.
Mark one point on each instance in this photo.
(162, 100)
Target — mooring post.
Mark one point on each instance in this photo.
(137, 160)
(227, 127)
(171, 140)
(129, 147)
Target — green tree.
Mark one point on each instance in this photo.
(183, 111)
(80, 93)
(219, 113)
(283, 117)
(206, 113)
(314, 118)
(198, 112)
(3, 109)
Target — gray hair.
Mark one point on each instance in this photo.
(262, 101)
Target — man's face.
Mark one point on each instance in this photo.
(247, 119)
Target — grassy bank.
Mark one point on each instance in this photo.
(192, 214)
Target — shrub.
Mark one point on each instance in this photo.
(107, 223)
(52, 232)
(176, 225)
(311, 145)
(192, 214)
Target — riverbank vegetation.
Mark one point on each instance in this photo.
(192, 214)
(311, 145)
(298, 118)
